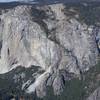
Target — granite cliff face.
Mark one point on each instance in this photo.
(45, 37)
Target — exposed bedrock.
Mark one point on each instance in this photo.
(44, 36)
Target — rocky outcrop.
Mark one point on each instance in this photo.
(95, 95)
(44, 36)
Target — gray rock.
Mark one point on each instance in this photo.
(95, 95)
(79, 40)
(25, 43)
(58, 85)
(43, 36)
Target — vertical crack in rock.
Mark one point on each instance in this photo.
(8, 52)
(0, 47)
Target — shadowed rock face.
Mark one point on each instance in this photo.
(44, 36)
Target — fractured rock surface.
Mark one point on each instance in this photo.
(95, 95)
(44, 36)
